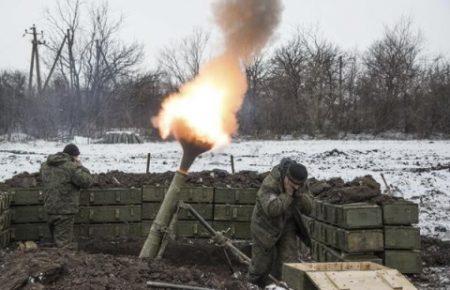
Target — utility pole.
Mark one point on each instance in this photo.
(35, 58)
(58, 54)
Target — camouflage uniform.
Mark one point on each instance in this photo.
(275, 225)
(62, 179)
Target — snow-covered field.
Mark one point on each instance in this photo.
(395, 159)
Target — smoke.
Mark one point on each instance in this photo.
(204, 110)
(247, 25)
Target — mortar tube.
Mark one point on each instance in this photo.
(161, 223)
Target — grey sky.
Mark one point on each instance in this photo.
(352, 24)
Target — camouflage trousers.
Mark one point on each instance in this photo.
(270, 261)
(61, 229)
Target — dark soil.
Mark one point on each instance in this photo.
(360, 189)
(435, 252)
(195, 265)
(24, 179)
(218, 178)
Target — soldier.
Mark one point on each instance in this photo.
(63, 176)
(276, 220)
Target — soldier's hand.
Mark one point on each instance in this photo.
(288, 187)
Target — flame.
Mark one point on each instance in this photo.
(204, 111)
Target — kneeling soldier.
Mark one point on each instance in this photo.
(63, 176)
(276, 221)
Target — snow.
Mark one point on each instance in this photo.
(352, 158)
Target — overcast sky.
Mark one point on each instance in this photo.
(352, 24)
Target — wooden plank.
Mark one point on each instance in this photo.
(355, 275)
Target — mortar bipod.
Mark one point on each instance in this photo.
(222, 241)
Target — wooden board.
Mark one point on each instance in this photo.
(344, 275)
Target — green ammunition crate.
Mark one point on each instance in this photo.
(5, 200)
(309, 224)
(93, 214)
(188, 194)
(400, 213)
(28, 214)
(110, 196)
(349, 216)
(234, 230)
(351, 241)
(327, 254)
(105, 214)
(5, 220)
(205, 210)
(406, 261)
(191, 229)
(186, 229)
(35, 232)
(5, 238)
(152, 193)
(27, 196)
(150, 209)
(235, 195)
(401, 237)
(227, 212)
(109, 231)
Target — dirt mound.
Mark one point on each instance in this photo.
(435, 252)
(24, 179)
(216, 177)
(65, 269)
(360, 189)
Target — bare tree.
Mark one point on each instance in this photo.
(181, 60)
(392, 67)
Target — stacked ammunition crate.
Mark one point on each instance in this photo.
(350, 232)
(366, 232)
(103, 213)
(233, 208)
(339, 232)
(401, 239)
(5, 218)
(201, 199)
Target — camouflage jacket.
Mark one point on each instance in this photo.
(274, 208)
(62, 179)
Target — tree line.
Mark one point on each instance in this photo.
(306, 85)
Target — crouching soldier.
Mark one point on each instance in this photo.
(63, 176)
(275, 220)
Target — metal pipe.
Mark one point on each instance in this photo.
(223, 241)
(175, 286)
(160, 224)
